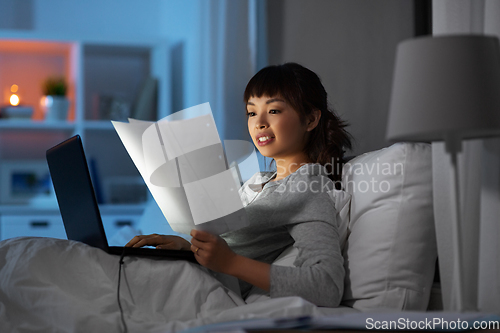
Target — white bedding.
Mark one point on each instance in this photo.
(64, 286)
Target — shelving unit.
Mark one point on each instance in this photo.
(20, 125)
(94, 69)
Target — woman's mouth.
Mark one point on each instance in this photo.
(264, 140)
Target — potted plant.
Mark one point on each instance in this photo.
(56, 102)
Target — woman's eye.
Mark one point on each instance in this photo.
(274, 111)
(250, 114)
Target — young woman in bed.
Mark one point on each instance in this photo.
(289, 121)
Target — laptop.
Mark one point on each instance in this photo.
(78, 203)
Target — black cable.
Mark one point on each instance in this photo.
(118, 291)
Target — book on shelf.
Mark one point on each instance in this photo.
(184, 165)
(146, 101)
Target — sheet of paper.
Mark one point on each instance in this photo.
(184, 165)
(241, 154)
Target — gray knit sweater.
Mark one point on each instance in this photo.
(298, 210)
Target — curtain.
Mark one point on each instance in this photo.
(229, 53)
(479, 167)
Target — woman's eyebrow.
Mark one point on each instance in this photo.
(269, 101)
(272, 100)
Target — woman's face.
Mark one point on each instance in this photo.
(275, 127)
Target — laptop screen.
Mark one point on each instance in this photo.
(75, 193)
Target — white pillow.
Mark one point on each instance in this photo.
(391, 250)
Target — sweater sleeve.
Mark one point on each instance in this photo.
(318, 275)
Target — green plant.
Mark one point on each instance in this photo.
(55, 86)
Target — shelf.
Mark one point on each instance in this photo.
(28, 210)
(122, 209)
(62, 37)
(54, 209)
(28, 125)
(98, 125)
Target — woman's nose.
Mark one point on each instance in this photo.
(261, 123)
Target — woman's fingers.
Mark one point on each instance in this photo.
(202, 235)
(212, 251)
(174, 243)
(196, 245)
(151, 241)
(160, 241)
(203, 240)
(196, 242)
(134, 241)
(195, 249)
(147, 240)
(210, 245)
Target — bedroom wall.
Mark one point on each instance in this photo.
(94, 17)
(81, 19)
(180, 23)
(351, 45)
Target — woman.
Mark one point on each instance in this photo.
(289, 121)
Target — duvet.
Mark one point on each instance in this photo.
(54, 285)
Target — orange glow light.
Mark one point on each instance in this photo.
(14, 100)
(14, 88)
(43, 101)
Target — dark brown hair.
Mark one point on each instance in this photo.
(302, 89)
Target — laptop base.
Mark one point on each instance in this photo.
(152, 253)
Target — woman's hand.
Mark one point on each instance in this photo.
(212, 251)
(168, 242)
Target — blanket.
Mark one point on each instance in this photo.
(66, 286)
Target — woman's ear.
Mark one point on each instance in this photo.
(313, 120)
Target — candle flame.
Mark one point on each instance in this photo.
(14, 100)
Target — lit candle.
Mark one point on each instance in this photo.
(14, 98)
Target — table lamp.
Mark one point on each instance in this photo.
(447, 88)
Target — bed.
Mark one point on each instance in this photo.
(389, 256)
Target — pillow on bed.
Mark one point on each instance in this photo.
(391, 250)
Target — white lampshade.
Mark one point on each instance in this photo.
(445, 85)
